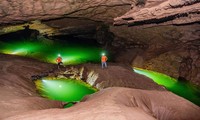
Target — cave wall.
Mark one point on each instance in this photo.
(160, 35)
(173, 50)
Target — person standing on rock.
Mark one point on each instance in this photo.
(103, 60)
(59, 61)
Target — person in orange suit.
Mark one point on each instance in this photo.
(59, 61)
(103, 60)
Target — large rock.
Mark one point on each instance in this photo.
(118, 75)
(162, 11)
(162, 48)
(18, 93)
(20, 10)
(19, 99)
(121, 104)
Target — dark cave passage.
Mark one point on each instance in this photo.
(74, 50)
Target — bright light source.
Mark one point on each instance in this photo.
(103, 54)
(44, 81)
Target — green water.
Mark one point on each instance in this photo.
(183, 89)
(73, 90)
(48, 52)
(67, 90)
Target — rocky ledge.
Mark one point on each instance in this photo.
(166, 12)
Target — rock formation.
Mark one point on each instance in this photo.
(20, 11)
(18, 93)
(160, 35)
(159, 46)
(163, 11)
(121, 104)
(145, 11)
(100, 78)
(19, 99)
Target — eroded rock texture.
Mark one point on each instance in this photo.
(114, 76)
(18, 93)
(162, 11)
(100, 10)
(149, 39)
(121, 104)
(162, 48)
(145, 11)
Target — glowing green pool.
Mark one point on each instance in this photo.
(48, 52)
(183, 89)
(67, 90)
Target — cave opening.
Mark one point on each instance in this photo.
(75, 48)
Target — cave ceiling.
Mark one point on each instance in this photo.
(77, 17)
(118, 12)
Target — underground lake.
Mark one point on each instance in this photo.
(47, 50)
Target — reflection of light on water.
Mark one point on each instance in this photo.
(71, 54)
(63, 89)
(15, 52)
(6, 51)
(68, 59)
(19, 52)
(183, 89)
(159, 78)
